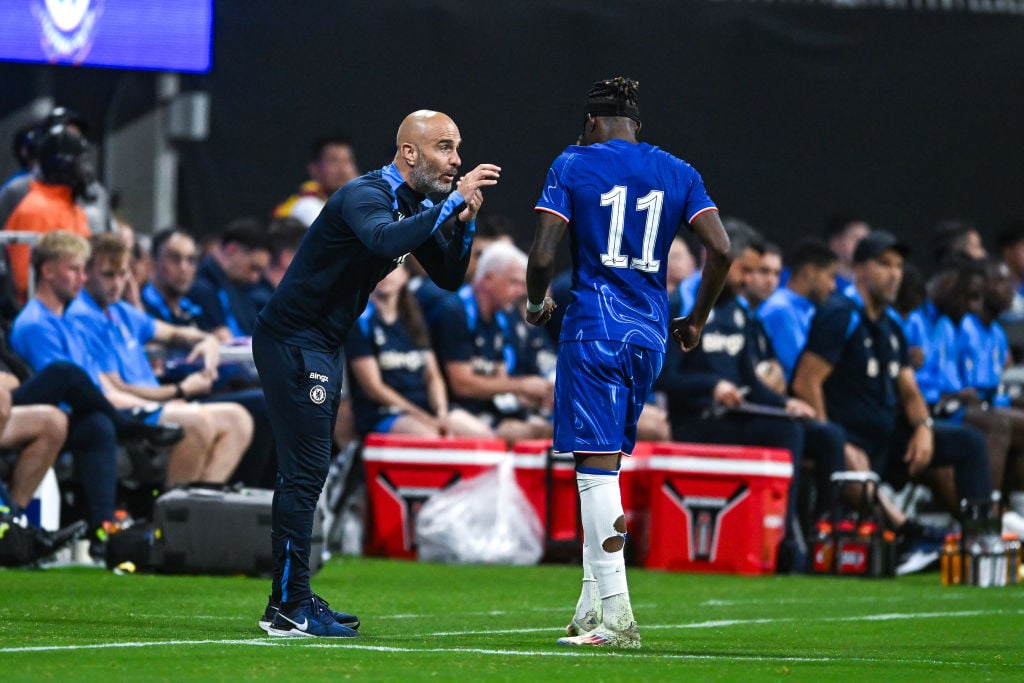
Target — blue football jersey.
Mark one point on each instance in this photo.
(624, 203)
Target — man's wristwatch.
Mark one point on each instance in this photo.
(534, 308)
(925, 422)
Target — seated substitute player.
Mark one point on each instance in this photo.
(284, 235)
(788, 312)
(748, 279)
(37, 433)
(489, 229)
(932, 330)
(983, 356)
(761, 284)
(714, 393)
(174, 252)
(855, 370)
(216, 434)
(68, 375)
(473, 338)
(224, 276)
(623, 201)
(398, 385)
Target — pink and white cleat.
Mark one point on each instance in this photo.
(602, 636)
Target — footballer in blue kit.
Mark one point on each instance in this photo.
(623, 202)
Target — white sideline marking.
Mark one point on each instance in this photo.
(846, 599)
(378, 617)
(719, 623)
(499, 612)
(956, 597)
(154, 643)
(288, 642)
(561, 652)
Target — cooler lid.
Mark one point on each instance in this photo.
(459, 443)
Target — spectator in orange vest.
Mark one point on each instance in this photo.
(65, 171)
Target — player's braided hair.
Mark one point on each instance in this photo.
(619, 96)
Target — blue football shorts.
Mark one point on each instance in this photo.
(600, 389)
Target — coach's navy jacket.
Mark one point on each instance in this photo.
(366, 229)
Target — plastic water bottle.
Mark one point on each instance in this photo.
(981, 567)
(975, 571)
(996, 550)
(44, 508)
(951, 561)
(824, 548)
(353, 521)
(1012, 543)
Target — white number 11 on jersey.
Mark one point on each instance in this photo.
(616, 198)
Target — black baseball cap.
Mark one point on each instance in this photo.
(876, 243)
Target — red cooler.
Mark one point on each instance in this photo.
(402, 472)
(635, 488)
(717, 508)
(553, 495)
(550, 486)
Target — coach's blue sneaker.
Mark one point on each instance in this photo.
(312, 618)
(345, 619)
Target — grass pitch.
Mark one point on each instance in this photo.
(448, 623)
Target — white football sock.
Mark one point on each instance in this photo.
(590, 600)
(600, 506)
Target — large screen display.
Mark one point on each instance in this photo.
(168, 35)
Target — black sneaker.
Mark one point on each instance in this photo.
(49, 542)
(27, 546)
(156, 435)
(65, 536)
(344, 618)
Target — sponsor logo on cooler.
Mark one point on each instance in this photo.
(853, 558)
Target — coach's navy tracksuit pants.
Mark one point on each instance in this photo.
(302, 389)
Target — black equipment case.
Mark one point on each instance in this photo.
(215, 530)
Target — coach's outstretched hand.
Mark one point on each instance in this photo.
(471, 184)
(686, 332)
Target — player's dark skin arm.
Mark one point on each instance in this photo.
(539, 271)
(541, 267)
(708, 226)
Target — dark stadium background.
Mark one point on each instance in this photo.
(791, 111)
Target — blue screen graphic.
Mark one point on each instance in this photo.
(168, 35)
